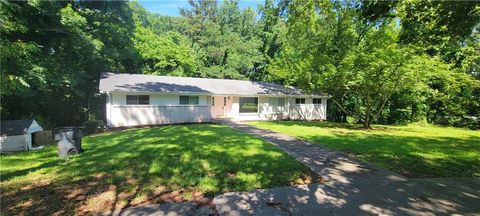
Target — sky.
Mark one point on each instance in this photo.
(170, 7)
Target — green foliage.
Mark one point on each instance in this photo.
(439, 26)
(272, 35)
(52, 60)
(169, 54)
(93, 126)
(356, 54)
(225, 39)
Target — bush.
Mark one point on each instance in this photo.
(93, 126)
(471, 122)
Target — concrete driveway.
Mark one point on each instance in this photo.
(352, 188)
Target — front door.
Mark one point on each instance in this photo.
(218, 105)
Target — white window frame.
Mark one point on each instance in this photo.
(319, 101)
(240, 105)
(191, 101)
(137, 100)
(304, 101)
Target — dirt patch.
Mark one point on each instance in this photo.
(308, 178)
(51, 199)
(102, 203)
(97, 196)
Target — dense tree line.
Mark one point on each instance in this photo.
(382, 61)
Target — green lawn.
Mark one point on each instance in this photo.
(161, 164)
(414, 151)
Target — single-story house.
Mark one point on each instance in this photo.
(18, 135)
(136, 99)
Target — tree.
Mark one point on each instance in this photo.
(382, 71)
(317, 44)
(273, 25)
(440, 26)
(224, 37)
(169, 54)
(329, 50)
(64, 47)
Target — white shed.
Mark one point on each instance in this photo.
(17, 135)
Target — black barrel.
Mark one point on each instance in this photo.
(69, 140)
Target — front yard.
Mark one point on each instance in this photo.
(139, 166)
(414, 151)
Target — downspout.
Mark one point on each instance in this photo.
(288, 106)
(109, 110)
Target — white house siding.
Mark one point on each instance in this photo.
(16, 143)
(266, 111)
(307, 111)
(163, 109)
(166, 109)
(157, 99)
(234, 109)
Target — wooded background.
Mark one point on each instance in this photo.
(387, 62)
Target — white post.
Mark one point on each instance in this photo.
(109, 110)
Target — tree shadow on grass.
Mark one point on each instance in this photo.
(9, 175)
(162, 164)
(412, 155)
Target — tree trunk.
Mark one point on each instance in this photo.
(341, 107)
(413, 113)
(380, 109)
(366, 123)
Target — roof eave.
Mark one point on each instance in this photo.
(214, 94)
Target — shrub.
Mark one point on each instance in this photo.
(93, 126)
(471, 122)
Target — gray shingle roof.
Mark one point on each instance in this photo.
(15, 127)
(110, 82)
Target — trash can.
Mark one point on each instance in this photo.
(69, 140)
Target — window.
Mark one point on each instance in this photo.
(248, 104)
(138, 99)
(317, 100)
(276, 101)
(299, 100)
(188, 99)
(213, 101)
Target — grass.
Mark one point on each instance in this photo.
(414, 150)
(137, 166)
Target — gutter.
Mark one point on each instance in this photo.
(216, 94)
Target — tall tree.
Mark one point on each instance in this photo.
(168, 54)
(272, 20)
(66, 46)
(225, 37)
(361, 63)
